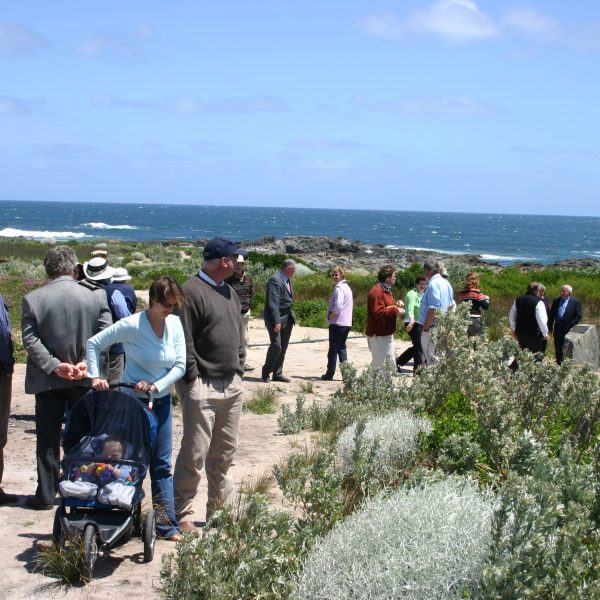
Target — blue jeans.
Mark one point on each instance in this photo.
(338, 334)
(161, 475)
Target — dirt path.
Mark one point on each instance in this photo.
(123, 572)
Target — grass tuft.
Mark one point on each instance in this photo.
(263, 401)
(63, 562)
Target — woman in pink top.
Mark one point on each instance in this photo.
(339, 317)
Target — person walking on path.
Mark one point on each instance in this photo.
(211, 389)
(412, 303)
(438, 296)
(7, 361)
(279, 320)
(58, 319)
(382, 311)
(339, 317)
(243, 286)
(154, 343)
(565, 313)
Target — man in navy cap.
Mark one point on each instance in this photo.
(211, 389)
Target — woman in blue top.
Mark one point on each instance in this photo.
(154, 346)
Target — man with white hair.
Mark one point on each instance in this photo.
(565, 313)
(438, 296)
(279, 320)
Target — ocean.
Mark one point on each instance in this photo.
(499, 238)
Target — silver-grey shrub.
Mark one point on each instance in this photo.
(390, 440)
(422, 543)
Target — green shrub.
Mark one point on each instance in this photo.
(311, 313)
(251, 554)
(420, 543)
(545, 536)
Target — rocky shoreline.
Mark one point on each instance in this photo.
(324, 252)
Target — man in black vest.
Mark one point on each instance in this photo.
(565, 313)
(529, 320)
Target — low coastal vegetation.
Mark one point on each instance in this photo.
(473, 482)
(145, 261)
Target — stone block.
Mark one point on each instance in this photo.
(581, 345)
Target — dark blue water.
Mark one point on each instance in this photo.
(498, 238)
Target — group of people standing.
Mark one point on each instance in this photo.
(195, 337)
(532, 319)
(191, 336)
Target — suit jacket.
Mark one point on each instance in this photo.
(573, 314)
(58, 319)
(279, 301)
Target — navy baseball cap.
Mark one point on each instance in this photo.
(219, 247)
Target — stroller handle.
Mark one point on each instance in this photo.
(149, 394)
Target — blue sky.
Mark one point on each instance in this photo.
(448, 105)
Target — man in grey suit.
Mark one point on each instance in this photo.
(58, 319)
(279, 320)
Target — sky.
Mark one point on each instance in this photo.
(450, 105)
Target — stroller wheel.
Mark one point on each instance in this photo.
(58, 536)
(149, 535)
(90, 551)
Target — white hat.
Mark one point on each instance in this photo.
(99, 253)
(241, 258)
(97, 269)
(121, 275)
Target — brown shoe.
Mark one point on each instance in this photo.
(188, 527)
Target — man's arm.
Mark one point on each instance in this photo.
(119, 305)
(512, 317)
(541, 316)
(36, 350)
(429, 319)
(274, 294)
(552, 315)
(577, 313)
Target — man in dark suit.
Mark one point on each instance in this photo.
(58, 319)
(279, 320)
(565, 313)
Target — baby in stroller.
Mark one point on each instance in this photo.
(108, 482)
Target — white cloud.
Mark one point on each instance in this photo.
(384, 25)
(453, 20)
(327, 165)
(16, 106)
(110, 44)
(256, 104)
(532, 23)
(16, 40)
(429, 106)
(70, 152)
(319, 144)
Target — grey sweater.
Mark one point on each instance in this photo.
(212, 322)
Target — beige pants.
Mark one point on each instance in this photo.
(382, 350)
(211, 410)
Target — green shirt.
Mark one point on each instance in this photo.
(412, 303)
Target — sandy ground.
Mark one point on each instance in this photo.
(123, 572)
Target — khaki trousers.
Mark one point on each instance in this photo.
(211, 410)
(382, 350)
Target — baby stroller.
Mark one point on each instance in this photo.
(107, 442)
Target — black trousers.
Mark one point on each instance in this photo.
(49, 410)
(560, 332)
(415, 351)
(277, 349)
(338, 334)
